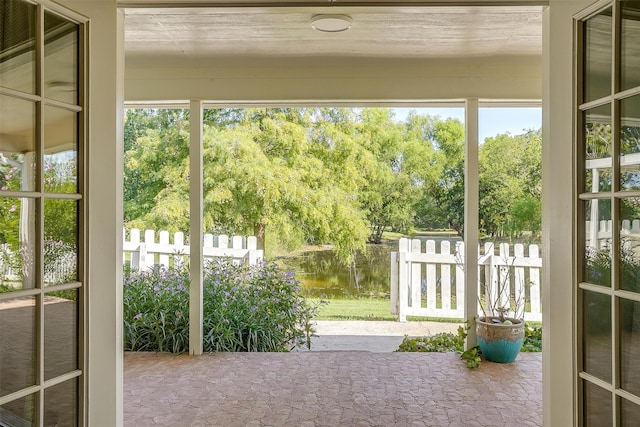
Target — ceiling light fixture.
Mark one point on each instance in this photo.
(331, 23)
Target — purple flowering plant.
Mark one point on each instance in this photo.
(246, 308)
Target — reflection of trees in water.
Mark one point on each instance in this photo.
(321, 273)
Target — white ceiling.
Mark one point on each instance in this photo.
(163, 36)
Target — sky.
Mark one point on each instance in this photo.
(492, 121)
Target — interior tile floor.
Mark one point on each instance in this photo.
(330, 388)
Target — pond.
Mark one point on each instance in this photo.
(322, 274)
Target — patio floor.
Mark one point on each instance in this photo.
(330, 388)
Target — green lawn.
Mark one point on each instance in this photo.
(363, 309)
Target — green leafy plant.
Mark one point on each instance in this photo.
(441, 343)
(532, 339)
(246, 308)
(472, 357)
(449, 342)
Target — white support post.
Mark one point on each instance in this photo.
(27, 227)
(195, 224)
(471, 206)
(595, 217)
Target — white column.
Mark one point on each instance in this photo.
(27, 227)
(195, 226)
(594, 225)
(104, 358)
(471, 207)
(558, 180)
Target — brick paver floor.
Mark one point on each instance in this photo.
(332, 388)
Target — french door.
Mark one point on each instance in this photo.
(42, 275)
(608, 213)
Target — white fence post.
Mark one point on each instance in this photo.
(520, 296)
(403, 279)
(504, 275)
(163, 258)
(445, 277)
(431, 279)
(534, 288)
(394, 283)
(147, 259)
(416, 276)
(460, 279)
(134, 238)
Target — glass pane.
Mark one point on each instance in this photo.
(597, 406)
(597, 56)
(630, 48)
(60, 332)
(630, 144)
(61, 405)
(17, 144)
(60, 59)
(60, 252)
(61, 150)
(630, 413)
(597, 149)
(17, 344)
(17, 237)
(19, 412)
(596, 335)
(630, 346)
(630, 244)
(597, 257)
(18, 45)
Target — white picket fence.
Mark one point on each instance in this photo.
(428, 283)
(59, 268)
(147, 253)
(602, 231)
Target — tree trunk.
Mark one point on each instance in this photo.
(259, 232)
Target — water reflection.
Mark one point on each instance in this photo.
(321, 273)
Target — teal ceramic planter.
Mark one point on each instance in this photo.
(500, 343)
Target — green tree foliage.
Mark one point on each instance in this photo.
(510, 184)
(393, 178)
(444, 190)
(323, 175)
(156, 150)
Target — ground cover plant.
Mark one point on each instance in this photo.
(246, 308)
(449, 342)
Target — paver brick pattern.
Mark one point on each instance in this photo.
(346, 388)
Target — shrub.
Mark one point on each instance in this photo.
(156, 309)
(447, 341)
(246, 308)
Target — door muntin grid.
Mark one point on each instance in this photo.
(42, 115)
(608, 214)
